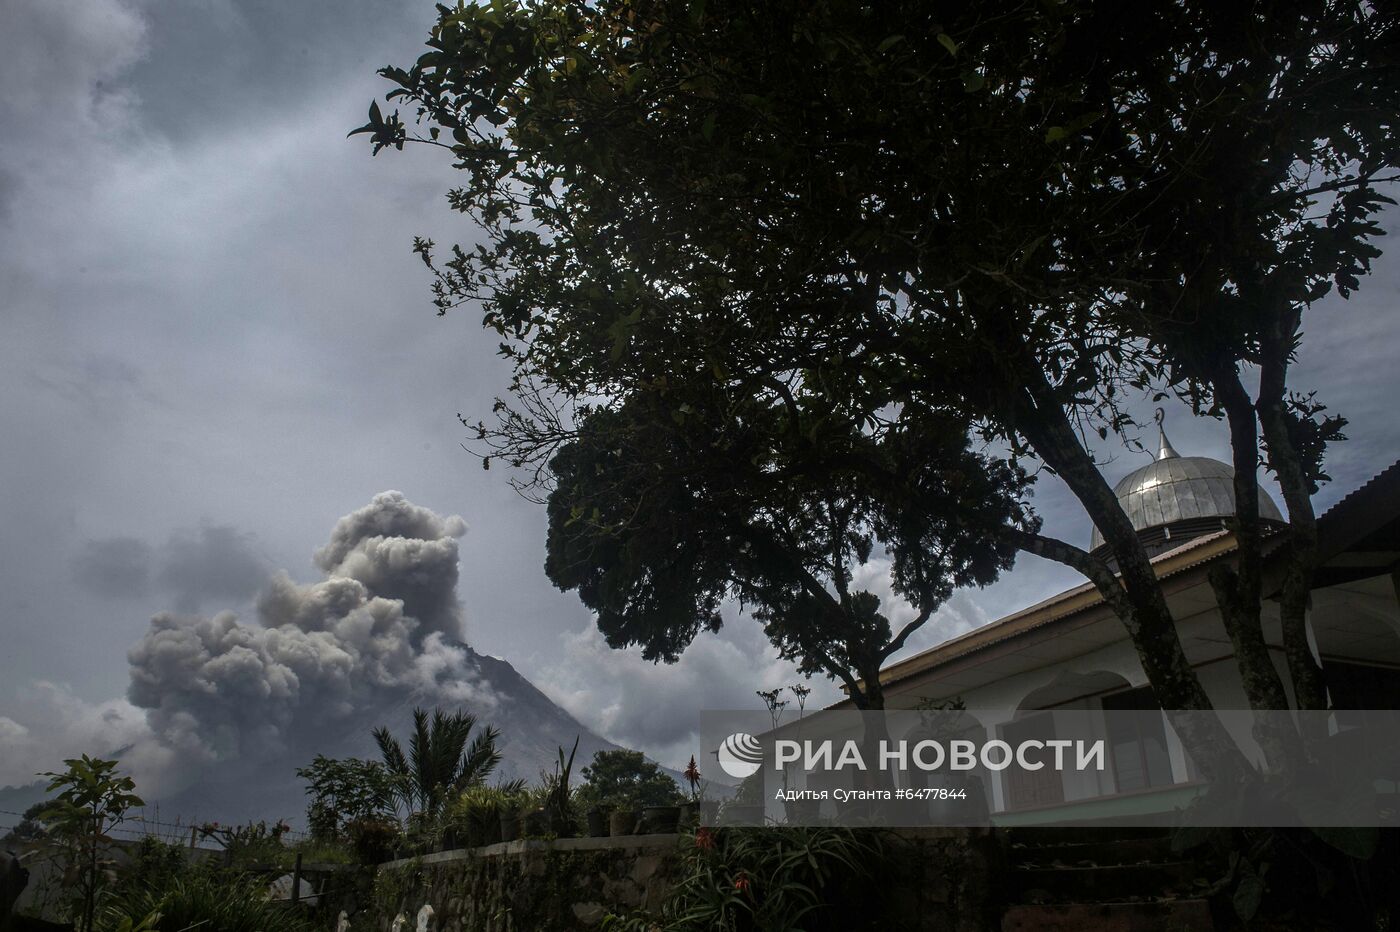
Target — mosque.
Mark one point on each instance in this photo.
(1071, 652)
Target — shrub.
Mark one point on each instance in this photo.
(154, 864)
(766, 880)
(343, 791)
(374, 841)
(217, 901)
(623, 779)
(253, 845)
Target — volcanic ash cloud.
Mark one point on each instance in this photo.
(379, 631)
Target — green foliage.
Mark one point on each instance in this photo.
(443, 758)
(765, 879)
(255, 844)
(147, 923)
(623, 779)
(152, 864)
(314, 851)
(92, 799)
(373, 841)
(657, 524)
(29, 828)
(343, 791)
(558, 796)
(203, 899)
(474, 816)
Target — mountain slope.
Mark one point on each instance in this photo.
(532, 727)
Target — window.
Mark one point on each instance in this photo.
(1026, 789)
(1137, 740)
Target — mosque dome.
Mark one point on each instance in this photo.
(1176, 498)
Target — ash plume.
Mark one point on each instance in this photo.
(379, 631)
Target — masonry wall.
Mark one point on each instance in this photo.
(934, 879)
(519, 886)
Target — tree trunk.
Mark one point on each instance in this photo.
(1041, 419)
(1239, 589)
(1276, 350)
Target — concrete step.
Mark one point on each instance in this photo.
(1061, 882)
(1081, 853)
(1191, 915)
(1032, 835)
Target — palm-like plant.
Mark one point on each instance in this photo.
(443, 759)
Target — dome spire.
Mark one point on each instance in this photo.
(1164, 446)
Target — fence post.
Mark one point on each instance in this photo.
(296, 880)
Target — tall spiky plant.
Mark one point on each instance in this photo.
(443, 758)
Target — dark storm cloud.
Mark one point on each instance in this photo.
(234, 57)
(212, 563)
(115, 567)
(194, 567)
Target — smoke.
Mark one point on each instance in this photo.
(376, 633)
(210, 563)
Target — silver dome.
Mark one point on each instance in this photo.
(1183, 496)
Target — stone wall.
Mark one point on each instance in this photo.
(935, 879)
(521, 886)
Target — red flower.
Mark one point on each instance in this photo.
(742, 884)
(704, 838)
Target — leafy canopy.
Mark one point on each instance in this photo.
(656, 521)
(624, 779)
(345, 791)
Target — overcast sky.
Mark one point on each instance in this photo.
(216, 343)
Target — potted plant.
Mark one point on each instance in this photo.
(597, 819)
(746, 808)
(535, 823)
(659, 820)
(623, 821)
(557, 808)
(513, 803)
(374, 840)
(510, 822)
(476, 814)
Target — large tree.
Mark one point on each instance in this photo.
(625, 779)
(660, 514)
(1012, 211)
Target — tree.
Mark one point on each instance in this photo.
(443, 758)
(345, 791)
(657, 520)
(1022, 213)
(30, 826)
(92, 800)
(625, 779)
